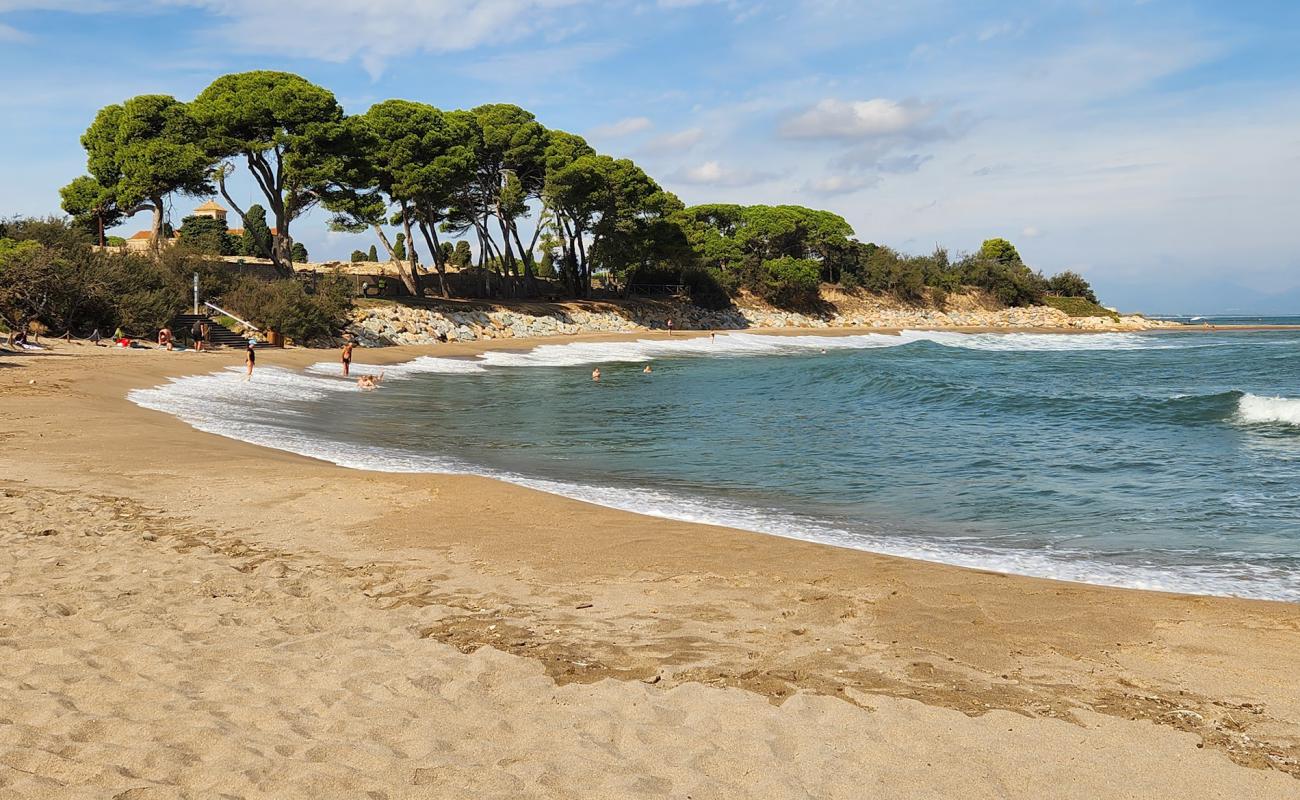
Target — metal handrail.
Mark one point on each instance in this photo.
(221, 310)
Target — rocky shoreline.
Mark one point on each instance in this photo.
(382, 324)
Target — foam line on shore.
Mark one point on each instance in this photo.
(568, 354)
(268, 411)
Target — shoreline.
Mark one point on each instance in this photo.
(497, 579)
(1082, 571)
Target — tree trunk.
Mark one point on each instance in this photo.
(412, 255)
(435, 247)
(410, 285)
(530, 280)
(156, 244)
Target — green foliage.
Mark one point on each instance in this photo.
(399, 248)
(92, 205)
(1079, 307)
(62, 283)
(256, 239)
(207, 235)
(138, 153)
(1071, 284)
(115, 241)
(462, 256)
(789, 281)
(287, 130)
(1011, 282)
(299, 253)
(999, 250)
(358, 256)
(373, 255)
(286, 307)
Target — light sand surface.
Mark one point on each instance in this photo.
(182, 615)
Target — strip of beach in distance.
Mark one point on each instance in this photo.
(178, 602)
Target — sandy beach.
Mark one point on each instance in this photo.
(183, 615)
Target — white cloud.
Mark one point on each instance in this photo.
(856, 119)
(9, 33)
(623, 127)
(713, 173)
(1030, 232)
(678, 142)
(370, 31)
(841, 184)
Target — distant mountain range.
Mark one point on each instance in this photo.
(1201, 298)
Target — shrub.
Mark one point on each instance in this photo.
(789, 281)
(1079, 307)
(705, 290)
(286, 307)
(1071, 284)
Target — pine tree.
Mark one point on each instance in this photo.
(374, 254)
(462, 257)
(299, 253)
(256, 241)
(399, 248)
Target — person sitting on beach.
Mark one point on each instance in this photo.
(347, 358)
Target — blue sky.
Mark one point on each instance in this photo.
(1145, 144)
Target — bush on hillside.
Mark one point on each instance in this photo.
(286, 307)
(788, 281)
(1071, 284)
(1079, 307)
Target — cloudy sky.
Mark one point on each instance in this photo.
(1153, 145)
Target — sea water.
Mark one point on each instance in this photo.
(1163, 460)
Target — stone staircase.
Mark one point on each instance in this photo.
(218, 335)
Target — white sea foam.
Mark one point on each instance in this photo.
(1255, 410)
(262, 412)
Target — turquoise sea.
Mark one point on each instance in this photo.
(1159, 460)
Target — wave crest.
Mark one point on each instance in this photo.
(1255, 410)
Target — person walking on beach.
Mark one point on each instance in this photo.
(347, 358)
(670, 326)
(250, 358)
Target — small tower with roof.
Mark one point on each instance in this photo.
(211, 209)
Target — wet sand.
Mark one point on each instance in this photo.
(182, 615)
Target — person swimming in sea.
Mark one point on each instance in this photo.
(368, 383)
(595, 374)
(647, 370)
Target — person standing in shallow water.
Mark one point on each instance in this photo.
(250, 358)
(347, 358)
